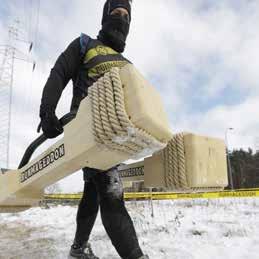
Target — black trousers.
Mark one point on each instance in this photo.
(105, 190)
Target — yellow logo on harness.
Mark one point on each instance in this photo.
(98, 50)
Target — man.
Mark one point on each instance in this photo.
(84, 61)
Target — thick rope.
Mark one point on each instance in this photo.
(175, 169)
(112, 126)
(181, 160)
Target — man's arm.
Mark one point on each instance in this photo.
(65, 68)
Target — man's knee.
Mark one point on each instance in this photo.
(110, 185)
(114, 186)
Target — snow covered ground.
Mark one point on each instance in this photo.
(183, 229)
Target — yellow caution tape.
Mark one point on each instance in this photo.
(167, 195)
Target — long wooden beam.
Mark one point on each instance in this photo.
(87, 144)
(189, 162)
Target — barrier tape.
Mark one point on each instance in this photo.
(167, 195)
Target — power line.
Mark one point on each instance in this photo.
(37, 23)
(34, 25)
(30, 21)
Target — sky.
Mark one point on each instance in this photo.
(202, 56)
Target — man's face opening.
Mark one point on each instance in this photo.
(115, 25)
(121, 12)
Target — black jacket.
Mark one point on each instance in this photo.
(65, 69)
(71, 64)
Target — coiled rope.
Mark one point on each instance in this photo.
(174, 157)
(175, 167)
(112, 126)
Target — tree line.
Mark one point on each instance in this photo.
(244, 168)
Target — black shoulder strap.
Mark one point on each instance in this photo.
(84, 40)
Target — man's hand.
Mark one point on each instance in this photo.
(51, 126)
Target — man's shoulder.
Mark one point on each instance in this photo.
(81, 40)
(86, 41)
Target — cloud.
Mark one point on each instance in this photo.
(215, 121)
(202, 56)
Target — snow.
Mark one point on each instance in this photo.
(150, 145)
(182, 229)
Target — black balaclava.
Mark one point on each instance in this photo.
(115, 28)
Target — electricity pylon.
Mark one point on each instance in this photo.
(9, 53)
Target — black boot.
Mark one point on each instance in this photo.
(82, 251)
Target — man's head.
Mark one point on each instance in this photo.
(115, 23)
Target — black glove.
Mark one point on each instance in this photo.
(50, 124)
